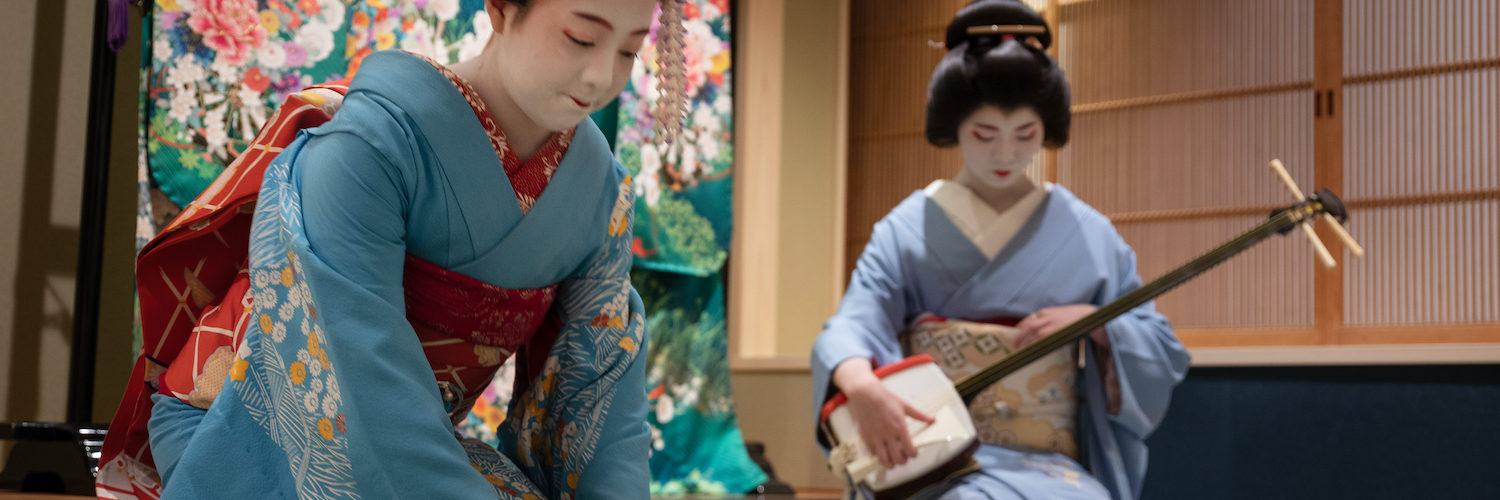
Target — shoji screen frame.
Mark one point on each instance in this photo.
(1157, 72)
(1330, 339)
(1453, 46)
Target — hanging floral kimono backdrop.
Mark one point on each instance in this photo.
(215, 70)
(682, 230)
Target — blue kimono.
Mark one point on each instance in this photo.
(331, 396)
(918, 261)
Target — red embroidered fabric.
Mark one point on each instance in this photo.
(469, 327)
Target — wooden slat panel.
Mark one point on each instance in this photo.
(1420, 125)
(1124, 49)
(1390, 35)
(889, 94)
(1269, 286)
(881, 174)
(1430, 134)
(1428, 264)
(874, 18)
(1207, 154)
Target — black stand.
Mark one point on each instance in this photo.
(773, 485)
(91, 223)
(51, 457)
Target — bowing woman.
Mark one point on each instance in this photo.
(443, 219)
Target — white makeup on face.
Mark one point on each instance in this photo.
(997, 146)
(568, 58)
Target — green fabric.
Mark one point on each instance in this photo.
(682, 232)
(608, 120)
(696, 445)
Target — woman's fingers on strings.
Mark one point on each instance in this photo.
(897, 450)
(913, 412)
(908, 449)
(887, 457)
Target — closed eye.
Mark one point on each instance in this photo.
(575, 39)
(1027, 132)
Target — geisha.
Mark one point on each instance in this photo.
(989, 261)
(321, 316)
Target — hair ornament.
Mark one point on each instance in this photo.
(671, 88)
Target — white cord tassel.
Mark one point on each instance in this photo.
(840, 457)
(671, 104)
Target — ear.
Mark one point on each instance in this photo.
(500, 11)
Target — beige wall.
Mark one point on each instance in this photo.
(786, 274)
(809, 174)
(45, 81)
(775, 408)
(785, 267)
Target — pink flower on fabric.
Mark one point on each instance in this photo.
(230, 27)
(296, 55)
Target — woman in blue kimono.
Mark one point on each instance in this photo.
(993, 247)
(441, 221)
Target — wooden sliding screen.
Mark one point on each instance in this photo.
(1420, 109)
(1178, 106)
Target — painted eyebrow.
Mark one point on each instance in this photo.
(602, 22)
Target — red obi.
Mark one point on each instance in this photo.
(468, 327)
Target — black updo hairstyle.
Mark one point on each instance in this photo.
(1003, 71)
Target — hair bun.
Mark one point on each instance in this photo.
(1011, 64)
(996, 70)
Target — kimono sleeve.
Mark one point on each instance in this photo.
(579, 429)
(869, 318)
(354, 202)
(1148, 359)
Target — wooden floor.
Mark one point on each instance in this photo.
(818, 494)
(802, 493)
(815, 494)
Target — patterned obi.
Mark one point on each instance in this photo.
(1032, 409)
(467, 328)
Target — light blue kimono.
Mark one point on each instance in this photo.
(405, 167)
(918, 261)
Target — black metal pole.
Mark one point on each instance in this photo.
(91, 222)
